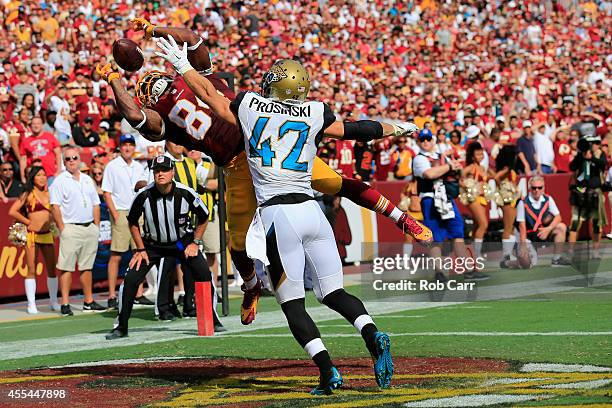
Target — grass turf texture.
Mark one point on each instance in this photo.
(561, 313)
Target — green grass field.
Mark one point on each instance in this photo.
(565, 327)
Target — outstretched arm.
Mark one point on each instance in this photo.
(196, 50)
(148, 122)
(201, 87)
(366, 130)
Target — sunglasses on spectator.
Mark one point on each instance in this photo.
(537, 187)
(7, 169)
(425, 139)
(71, 158)
(97, 173)
(604, 145)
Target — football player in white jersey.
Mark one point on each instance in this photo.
(289, 232)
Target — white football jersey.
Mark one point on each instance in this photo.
(280, 142)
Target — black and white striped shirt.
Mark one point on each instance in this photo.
(166, 217)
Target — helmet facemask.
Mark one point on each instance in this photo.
(152, 86)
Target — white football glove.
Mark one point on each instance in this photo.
(174, 54)
(404, 128)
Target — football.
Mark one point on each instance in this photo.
(128, 55)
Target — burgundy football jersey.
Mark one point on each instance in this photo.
(191, 123)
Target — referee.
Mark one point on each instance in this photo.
(168, 232)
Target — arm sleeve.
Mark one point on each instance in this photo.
(363, 130)
(419, 165)
(235, 104)
(137, 208)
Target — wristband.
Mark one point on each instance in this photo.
(140, 250)
(113, 75)
(184, 68)
(198, 242)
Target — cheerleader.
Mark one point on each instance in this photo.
(32, 209)
(507, 196)
(475, 192)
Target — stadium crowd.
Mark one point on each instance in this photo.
(531, 74)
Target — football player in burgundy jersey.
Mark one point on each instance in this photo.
(170, 110)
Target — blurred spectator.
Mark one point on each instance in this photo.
(120, 178)
(345, 155)
(34, 210)
(11, 187)
(41, 145)
(528, 160)
(84, 136)
(60, 104)
(76, 211)
(402, 156)
(364, 156)
(562, 149)
(88, 107)
(383, 159)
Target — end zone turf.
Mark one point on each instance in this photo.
(419, 382)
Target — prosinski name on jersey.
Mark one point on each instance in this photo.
(274, 107)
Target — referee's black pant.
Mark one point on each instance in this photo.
(195, 269)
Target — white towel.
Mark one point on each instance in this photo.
(256, 240)
(443, 205)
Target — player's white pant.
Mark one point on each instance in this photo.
(298, 236)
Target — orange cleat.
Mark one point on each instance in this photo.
(414, 228)
(248, 308)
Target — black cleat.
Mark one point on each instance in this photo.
(93, 307)
(113, 304)
(180, 300)
(191, 314)
(143, 301)
(167, 317)
(175, 310)
(66, 311)
(115, 334)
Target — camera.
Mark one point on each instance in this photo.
(585, 143)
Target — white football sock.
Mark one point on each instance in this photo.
(395, 214)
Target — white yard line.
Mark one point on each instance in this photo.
(161, 332)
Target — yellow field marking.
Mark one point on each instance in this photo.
(245, 389)
(12, 380)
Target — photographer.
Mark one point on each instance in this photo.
(586, 196)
